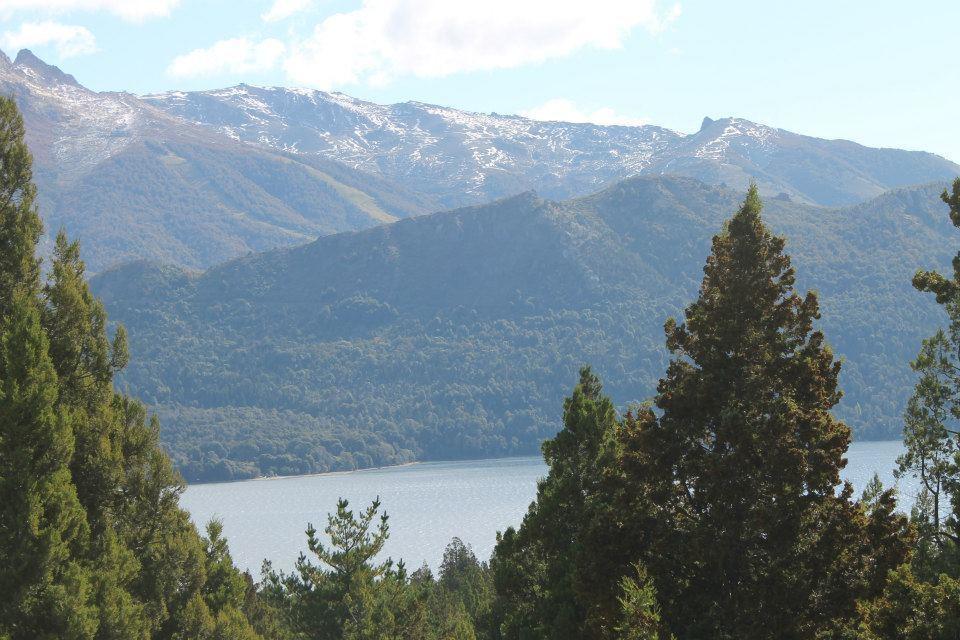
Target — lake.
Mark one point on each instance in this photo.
(429, 503)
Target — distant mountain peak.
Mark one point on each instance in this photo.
(26, 60)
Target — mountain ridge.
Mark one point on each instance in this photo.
(196, 178)
(488, 154)
(132, 181)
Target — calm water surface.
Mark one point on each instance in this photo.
(428, 503)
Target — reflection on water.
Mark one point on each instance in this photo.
(428, 503)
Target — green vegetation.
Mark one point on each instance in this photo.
(714, 511)
(455, 335)
(93, 542)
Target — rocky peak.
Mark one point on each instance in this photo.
(27, 60)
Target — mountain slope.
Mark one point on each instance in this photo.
(197, 178)
(130, 181)
(458, 333)
(466, 158)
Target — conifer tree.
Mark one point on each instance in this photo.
(641, 613)
(753, 535)
(558, 576)
(46, 590)
(930, 447)
(467, 581)
(89, 513)
(20, 225)
(348, 595)
(931, 422)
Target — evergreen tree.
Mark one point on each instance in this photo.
(20, 225)
(348, 595)
(930, 425)
(753, 535)
(89, 516)
(913, 609)
(930, 447)
(46, 591)
(468, 581)
(641, 613)
(224, 586)
(558, 576)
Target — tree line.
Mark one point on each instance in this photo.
(714, 511)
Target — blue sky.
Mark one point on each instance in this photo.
(879, 72)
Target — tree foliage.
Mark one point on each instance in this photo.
(94, 543)
(726, 491)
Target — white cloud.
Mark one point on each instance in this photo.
(283, 9)
(131, 10)
(384, 39)
(236, 55)
(563, 110)
(70, 40)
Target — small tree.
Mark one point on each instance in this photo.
(558, 576)
(641, 612)
(347, 595)
(930, 446)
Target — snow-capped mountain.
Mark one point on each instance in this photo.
(200, 177)
(465, 158)
(132, 181)
(461, 157)
(77, 128)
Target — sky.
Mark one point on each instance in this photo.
(880, 72)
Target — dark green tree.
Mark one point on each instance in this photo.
(96, 541)
(46, 591)
(20, 225)
(558, 576)
(754, 537)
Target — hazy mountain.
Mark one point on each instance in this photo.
(458, 333)
(131, 181)
(467, 158)
(197, 178)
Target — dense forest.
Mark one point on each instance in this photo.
(456, 335)
(715, 510)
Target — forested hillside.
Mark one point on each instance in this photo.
(456, 334)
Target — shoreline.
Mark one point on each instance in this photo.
(362, 470)
(419, 462)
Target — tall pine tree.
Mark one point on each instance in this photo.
(753, 535)
(20, 225)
